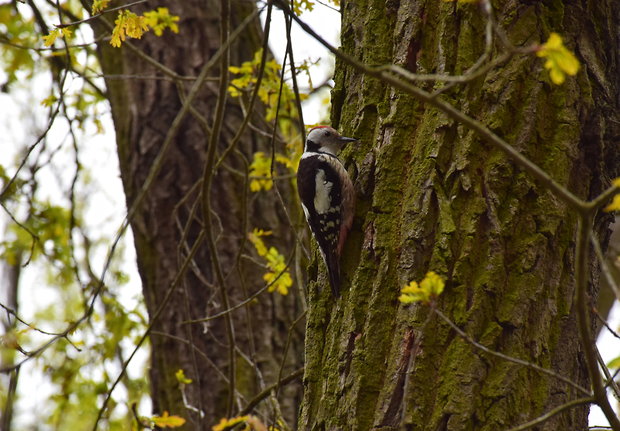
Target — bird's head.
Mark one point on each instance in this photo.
(325, 139)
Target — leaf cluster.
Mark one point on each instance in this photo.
(426, 291)
(243, 423)
(273, 95)
(560, 61)
(278, 276)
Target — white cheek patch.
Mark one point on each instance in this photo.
(322, 191)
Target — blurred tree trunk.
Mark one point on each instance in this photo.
(9, 295)
(433, 196)
(169, 219)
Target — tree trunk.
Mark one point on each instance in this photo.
(169, 220)
(433, 196)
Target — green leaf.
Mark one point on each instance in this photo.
(160, 20)
(560, 61)
(180, 375)
(614, 205)
(277, 276)
(426, 291)
(614, 363)
(167, 421)
(99, 6)
(51, 38)
(226, 423)
(127, 24)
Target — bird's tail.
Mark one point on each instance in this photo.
(333, 271)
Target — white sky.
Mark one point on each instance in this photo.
(326, 22)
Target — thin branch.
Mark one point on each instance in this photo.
(610, 382)
(33, 236)
(93, 17)
(584, 325)
(484, 132)
(604, 267)
(606, 324)
(125, 77)
(13, 313)
(203, 355)
(161, 307)
(602, 199)
(257, 85)
(4, 40)
(328, 6)
(31, 148)
(273, 144)
(207, 179)
(157, 165)
(267, 391)
(518, 361)
(289, 48)
(551, 413)
(286, 347)
(245, 301)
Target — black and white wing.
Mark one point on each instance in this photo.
(320, 189)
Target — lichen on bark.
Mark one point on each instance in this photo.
(439, 198)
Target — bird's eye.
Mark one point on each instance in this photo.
(327, 133)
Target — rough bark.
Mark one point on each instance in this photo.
(169, 220)
(433, 196)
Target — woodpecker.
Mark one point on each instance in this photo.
(327, 196)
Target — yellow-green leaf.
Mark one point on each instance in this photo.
(614, 363)
(614, 205)
(127, 24)
(180, 375)
(67, 33)
(49, 100)
(560, 61)
(51, 38)
(299, 6)
(226, 423)
(277, 276)
(426, 291)
(260, 172)
(259, 244)
(99, 5)
(161, 19)
(167, 421)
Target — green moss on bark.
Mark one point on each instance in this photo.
(437, 198)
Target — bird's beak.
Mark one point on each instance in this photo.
(345, 140)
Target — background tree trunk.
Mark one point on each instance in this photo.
(432, 196)
(169, 220)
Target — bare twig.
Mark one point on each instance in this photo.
(604, 267)
(92, 17)
(610, 382)
(606, 324)
(584, 325)
(452, 112)
(13, 313)
(206, 195)
(602, 199)
(286, 347)
(161, 307)
(531, 365)
(267, 391)
(551, 413)
(245, 301)
(157, 165)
